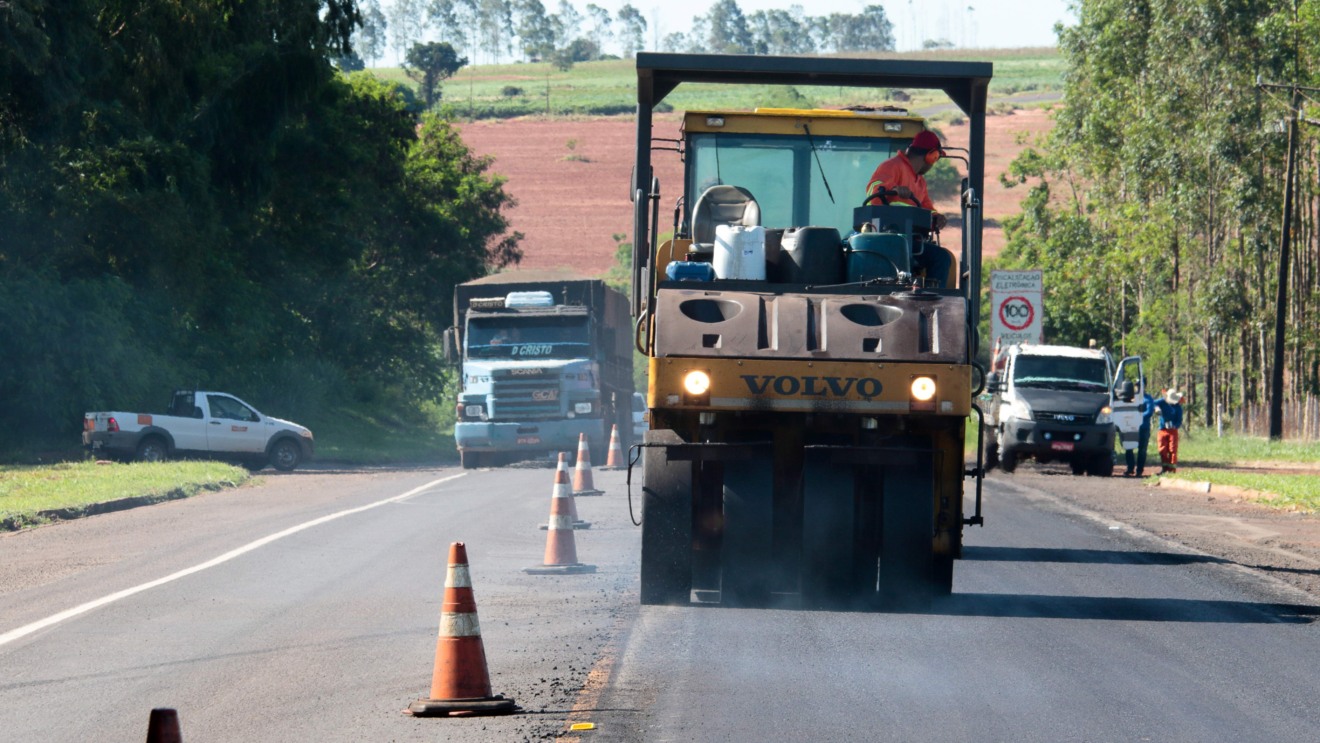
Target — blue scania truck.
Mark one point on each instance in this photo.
(544, 357)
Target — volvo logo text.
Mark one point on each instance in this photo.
(865, 387)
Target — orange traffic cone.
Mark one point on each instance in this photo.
(614, 460)
(460, 683)
(582, 484)
(561, 490)
(163, 727)
(560, 548)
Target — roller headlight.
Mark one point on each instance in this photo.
(696, 383)
(923, 389)
(1104, 416)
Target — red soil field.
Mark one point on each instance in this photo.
(570, 178)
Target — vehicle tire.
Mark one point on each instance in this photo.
(152, 449)
(747, 544)
(285, 455)
(1008, 460)
(991, 454)
(910, 575)
(469, 460)
(1079, 465)
(667, 534)
(829, 560)
(1102, 465)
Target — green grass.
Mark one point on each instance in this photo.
(1204, 449)
(609, 87)
(27, 491)
(1293, 492)
(347, 436)
(1205, 457)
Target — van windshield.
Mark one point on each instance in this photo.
(1061, 372)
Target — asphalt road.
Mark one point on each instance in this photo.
(259, 622)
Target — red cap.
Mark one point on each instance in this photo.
(926, 141)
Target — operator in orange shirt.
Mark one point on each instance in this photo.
(903, 179)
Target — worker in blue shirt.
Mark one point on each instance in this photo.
(1171, 414)
(1143, 436)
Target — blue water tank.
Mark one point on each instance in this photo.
(689, 271)
(878, 255)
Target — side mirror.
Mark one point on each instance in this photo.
(992, 383)
(453, 354)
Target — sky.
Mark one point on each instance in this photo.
(966, 23)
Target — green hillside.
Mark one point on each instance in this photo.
(609, 87)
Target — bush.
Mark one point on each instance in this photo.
(511, 91)
(84, 345)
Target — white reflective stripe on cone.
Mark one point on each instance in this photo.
(561, 522)
(458, 577)
(459, 624)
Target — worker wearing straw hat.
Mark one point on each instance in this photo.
(1170, 411)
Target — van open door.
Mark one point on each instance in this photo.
(1125, 398)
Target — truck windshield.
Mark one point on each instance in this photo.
(515, 337)
(781, 173)
(1061, 372)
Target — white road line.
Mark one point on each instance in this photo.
(25, 630)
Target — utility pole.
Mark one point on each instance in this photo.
(1281, 299)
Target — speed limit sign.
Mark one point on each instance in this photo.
(1016, 309)
(1016, 313)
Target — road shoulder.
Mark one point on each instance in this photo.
(1225, 523)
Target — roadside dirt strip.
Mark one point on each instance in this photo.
(1280, 544)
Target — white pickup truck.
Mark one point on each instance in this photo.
(206, 424)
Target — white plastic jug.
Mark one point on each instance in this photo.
(739, 252)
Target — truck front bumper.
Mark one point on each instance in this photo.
(1048, 441)
(531, 437)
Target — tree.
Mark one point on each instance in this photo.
(350, 62)
(203, 176)
(430, 64)
(495, 27)
(569, 26)
(601, 21)
(727, 32)
(580, 50)
(632, 31)
(535, 29)
(371, 37)
(674, 42)
(407, 23)
(454, 22)
(1155, 201)
(870, 31)
(781, 31)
